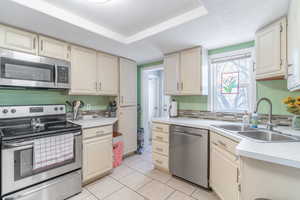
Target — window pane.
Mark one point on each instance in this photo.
(232, 85)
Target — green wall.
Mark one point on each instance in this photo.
(34, 96)
(276, 90)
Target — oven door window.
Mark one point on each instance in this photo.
(29, 71)
(23, 164)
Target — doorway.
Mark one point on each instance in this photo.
(154, 102)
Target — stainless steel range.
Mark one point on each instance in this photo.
(41, 153)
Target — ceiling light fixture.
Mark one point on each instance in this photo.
(99, 1)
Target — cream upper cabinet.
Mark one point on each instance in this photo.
(83, 71)
(190, 71)
(186, 73)
(53, 48)
(128, 127)
(108, 74)
(15, 39)
(128, 82)
(271, 51)
(171, 70)
(224, 168)
(97, 156)
(294, 45)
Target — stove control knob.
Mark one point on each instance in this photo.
(4, 111)
(56, 109)
(61, 108)
(13, 110)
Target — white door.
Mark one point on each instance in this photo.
(128, 82)
(18, 40)
(128, 127)
(268, 46)
(108, 74)
(190, 72)
(171, 71)
(223, 174)
(294, 45)
(97, 156)
(53, 48)
(83, 71)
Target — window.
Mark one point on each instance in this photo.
(232, 82)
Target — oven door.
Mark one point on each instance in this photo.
(14, 72)
(17, 165)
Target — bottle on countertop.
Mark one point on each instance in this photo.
(246, 120)
(254, 120)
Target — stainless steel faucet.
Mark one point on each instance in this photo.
(269, 124)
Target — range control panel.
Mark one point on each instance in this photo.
(31, 111)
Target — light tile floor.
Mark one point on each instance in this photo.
(137, 179)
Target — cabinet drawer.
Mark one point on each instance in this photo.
(98, 131)
(160, 161)
(160, 127)
(160, 137)
(161, 148)
(223, 142)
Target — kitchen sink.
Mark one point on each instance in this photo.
(268, 136)
(235, 128)
(260, 135)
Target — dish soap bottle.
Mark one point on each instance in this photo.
(246, 120)
(254, 120)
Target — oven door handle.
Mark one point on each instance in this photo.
(26, 143)
(19, 144)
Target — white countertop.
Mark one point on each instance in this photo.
(95, 122)
(285, 153)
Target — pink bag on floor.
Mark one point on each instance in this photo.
(118, 154)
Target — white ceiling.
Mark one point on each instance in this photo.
(227, 22)
(127, 17)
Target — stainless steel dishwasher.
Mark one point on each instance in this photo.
(189, 154)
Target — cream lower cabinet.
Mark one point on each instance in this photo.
(97, 152)
(83, 71)
(54, 48)
(224, 167)
(15, 39)
(128, 127)
(160, 146)
(271, 51)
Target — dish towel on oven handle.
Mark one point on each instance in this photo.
(52, 150)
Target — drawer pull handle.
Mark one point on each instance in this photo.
(159, 149)
(158, 161)
(159, 128)
(159, 138)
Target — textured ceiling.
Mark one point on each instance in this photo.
(227, 22)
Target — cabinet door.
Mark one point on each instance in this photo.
(223, 174)
(128, 127)
(53, 48)
(270, 44)
(190, 72)
(294, 46)
(18, 40)
(83, 71)
(171, 71)
(108, 74)
(97, 156)
(128, 82)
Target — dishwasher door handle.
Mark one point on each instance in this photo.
(187, 134)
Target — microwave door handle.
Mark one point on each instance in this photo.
(56, 76)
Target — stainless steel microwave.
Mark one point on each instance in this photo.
(25, 70)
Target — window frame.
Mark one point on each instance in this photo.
(230, 54)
